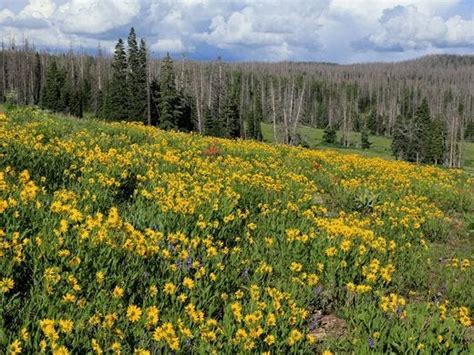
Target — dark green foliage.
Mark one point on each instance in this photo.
(231, 116)
(137, 78)
(422, 132)
(186, 111)
(154, 98)
(255, 117)
(417, 138)
(212, 125)
(51, 99)
(322, 117)
(71, 97)
(437, 145)
(116, 103)
(364, 139)
(401, 139)
(469, 132)
(168, 103)
(329, 135)
(37, 82)
(372, 121)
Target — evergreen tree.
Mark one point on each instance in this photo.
(255, 117)
(168, 104)
(117, 98)
(250, 125)
(422, 132)
(231, 116)
(469, 132)
(322, 118)
(37, 79)
(401, 140)
(186, 110)
(329, 135)
(212, 125)
(372, 121)
(52, 91)
(231, 109)
(154, 101)
(364, 139)
(437, 149)
(258, 115)
(137, 77)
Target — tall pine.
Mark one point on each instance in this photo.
(437, 145)
(137, 77)
(117, 100)
(52, 99)
(37, 78)
(422, 132)
(168, 103)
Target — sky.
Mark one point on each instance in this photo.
(339, 31)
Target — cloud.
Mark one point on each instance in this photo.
(403, 28)
(280, 30)
(169, 45)
(35, 14)
(320, 30)
(96, 16)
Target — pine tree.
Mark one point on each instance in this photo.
(372, 121)
(401, 141)
(258, 116)
(231, 115)
(437, 149)
(37, 79)
(250, 125)
(185, 110)
(137, 77)
(422, 132)
(255, 117)
(364, 139)
(329, 135)
(168, 104)
(212, 125)
(154, 101)
(117, 98)
(52, 91)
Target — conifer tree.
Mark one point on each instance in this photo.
(364, 139)
(231, 116)
(168, 104)
(117, 100)
(255, 117)
(329, 135)
(52, 92)
(37, 80)
(258, 116)
(422, 132)
(212, 124)
(401, 140)
(185, 110)
(437, 147)
(137, 79)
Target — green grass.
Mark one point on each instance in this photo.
(313, 137)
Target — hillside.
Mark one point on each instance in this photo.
(426, 102)
(381, 145)
(120, 236)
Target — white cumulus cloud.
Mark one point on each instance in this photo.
(405, 27)
(96, 16)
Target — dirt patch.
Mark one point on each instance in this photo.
(328, 326)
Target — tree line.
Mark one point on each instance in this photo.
(232, 99)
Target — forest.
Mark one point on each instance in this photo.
(425, 105)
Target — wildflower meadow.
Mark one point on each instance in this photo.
(117, 238)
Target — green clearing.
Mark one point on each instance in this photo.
(380, 145)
